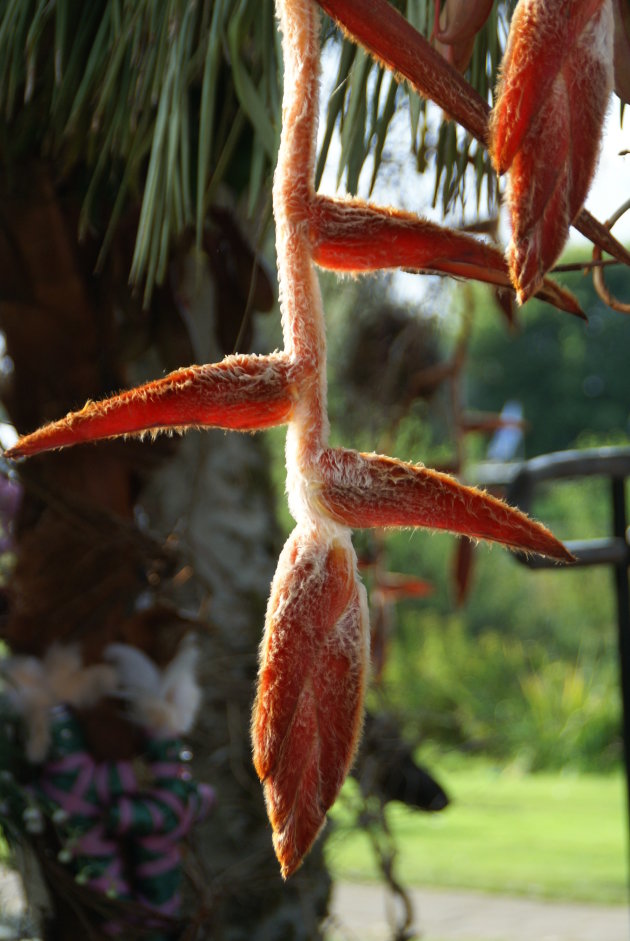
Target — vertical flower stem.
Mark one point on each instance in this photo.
(300, 297)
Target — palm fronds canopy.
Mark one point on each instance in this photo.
(156, 104)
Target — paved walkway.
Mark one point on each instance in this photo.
(360, 912)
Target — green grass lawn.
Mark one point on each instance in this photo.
(551, 835)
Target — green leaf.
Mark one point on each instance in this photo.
(353, 128)
(249, 94)
(335, 105)
(382, 127)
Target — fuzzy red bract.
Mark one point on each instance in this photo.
(543, 35)
(349, 235)
(462, 19)
(364, 490)
(547, 123)
(391, 586)
(241, 393)
(309, 706)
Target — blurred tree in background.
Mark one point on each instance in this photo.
(581, 369)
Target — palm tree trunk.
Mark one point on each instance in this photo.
(140, 542)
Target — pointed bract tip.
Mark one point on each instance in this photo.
(372, 490)
(309, 705)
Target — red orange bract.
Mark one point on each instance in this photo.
(547, 123)
(313, 668)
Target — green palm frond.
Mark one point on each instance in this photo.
(365, 99)
(157, 103)
(162, 99)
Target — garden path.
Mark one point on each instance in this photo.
(360, 912)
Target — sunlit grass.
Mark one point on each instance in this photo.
(549, 835)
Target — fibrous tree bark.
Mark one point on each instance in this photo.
(140, 544)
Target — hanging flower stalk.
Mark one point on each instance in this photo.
(314, 655)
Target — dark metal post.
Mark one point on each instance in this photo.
(623, 620)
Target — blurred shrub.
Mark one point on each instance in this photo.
(506, 698)
(571, 717)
